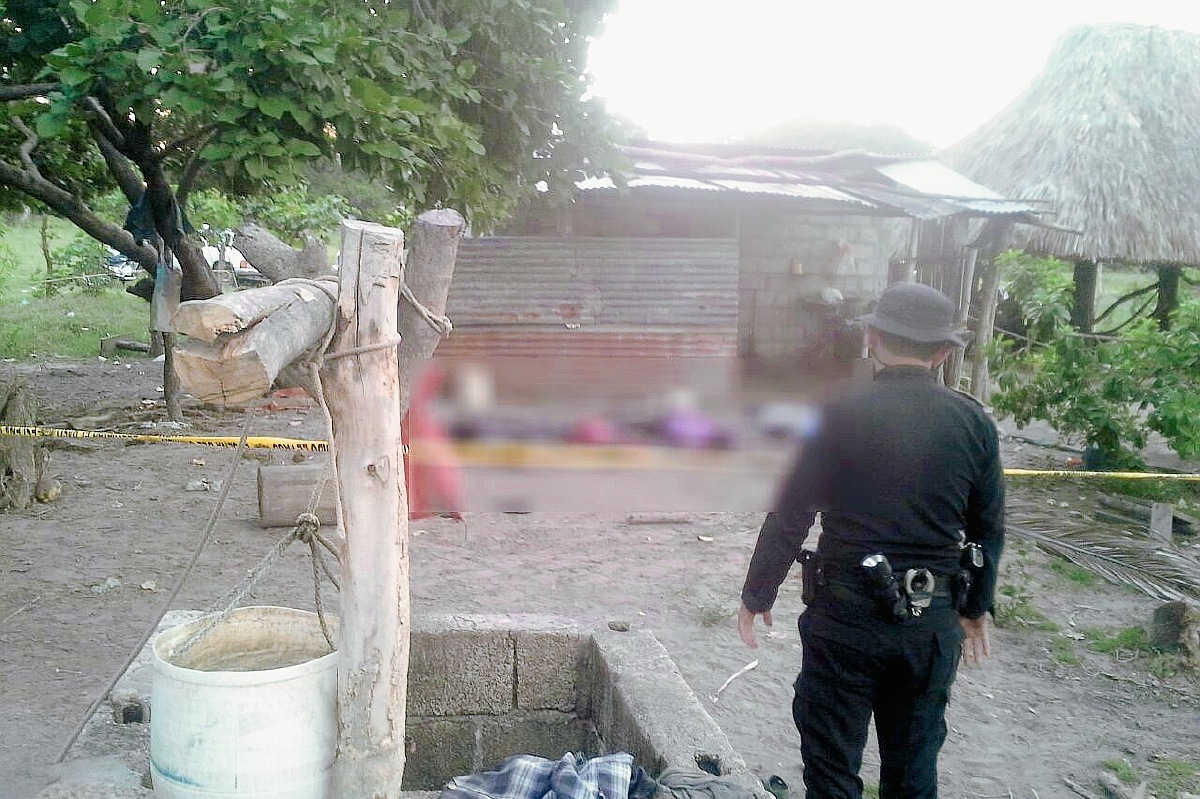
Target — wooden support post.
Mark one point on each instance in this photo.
(428, 272)
(1083, 308)
(360, 382)
(989, 298)
(965, 285)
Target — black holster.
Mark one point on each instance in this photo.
(811, 575)
(960, 588)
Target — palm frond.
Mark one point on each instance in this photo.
(1150, 566)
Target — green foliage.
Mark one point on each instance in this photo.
(215, 209)
(1129, 639)
(1173, 777)
(1108, 393)
(8, 262)
(1015, 608)
(1123, 770)
(1062, 650)
(1041, 289)
(77, 267)
(294, 212)
(470, 104)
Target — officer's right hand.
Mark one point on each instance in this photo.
(746, 625)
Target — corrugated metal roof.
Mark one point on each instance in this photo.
(808, 191)
(938, 181)
(857, 182)
(587, 282)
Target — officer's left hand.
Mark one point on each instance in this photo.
(746, 625)
(976, 643)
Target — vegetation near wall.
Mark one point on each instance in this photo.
(1109, 392)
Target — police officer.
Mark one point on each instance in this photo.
(906, 474)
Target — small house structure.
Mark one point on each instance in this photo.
(708, 251)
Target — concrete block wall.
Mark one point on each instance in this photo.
(778, 310)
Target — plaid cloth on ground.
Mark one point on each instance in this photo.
(531, 777)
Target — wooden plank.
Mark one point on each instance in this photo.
(285, 491)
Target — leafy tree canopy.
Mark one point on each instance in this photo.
(468, 103)
(1109, 392)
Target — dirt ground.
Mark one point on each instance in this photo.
(85, 575)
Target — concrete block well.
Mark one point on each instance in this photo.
(482, 688)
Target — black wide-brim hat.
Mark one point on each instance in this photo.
(916, 312)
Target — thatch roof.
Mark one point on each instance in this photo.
(1109, 135)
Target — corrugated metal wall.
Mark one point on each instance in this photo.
(596, 296)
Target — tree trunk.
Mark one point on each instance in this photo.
(360, 390)
(45, 240)
(278, 260)
(18, 456)
(428, 272)
(1083, 309)
(238, 343)
(1168, 293)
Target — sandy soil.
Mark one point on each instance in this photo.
(1020, 724)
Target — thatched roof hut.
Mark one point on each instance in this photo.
(1109, 135)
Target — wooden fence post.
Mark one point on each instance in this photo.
(360, 383)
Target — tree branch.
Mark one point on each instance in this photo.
(26, 91)
(27, 147)
(1132, 317)
(70, 206)
(1127, 298)
(107, 126)
(192, 169)
(120, 167)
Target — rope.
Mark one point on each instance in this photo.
(187, 570)
(383, 345)
(440, 323)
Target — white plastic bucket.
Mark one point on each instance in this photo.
(249, 711)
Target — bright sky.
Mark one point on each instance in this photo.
(708, 71)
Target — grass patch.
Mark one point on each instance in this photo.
(1016, 609)
(1173, 777)
(1129, 638)
(1062, 650)
(1073, 573)
(1178, 492)
(1123, 770)
(712, 615)
(70, 324)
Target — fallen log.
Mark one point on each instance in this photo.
(206, 320)
(233, 368)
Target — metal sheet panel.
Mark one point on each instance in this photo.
(589, 282)
(498, 341)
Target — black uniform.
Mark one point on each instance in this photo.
(899, 468)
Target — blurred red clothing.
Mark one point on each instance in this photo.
(435, 485)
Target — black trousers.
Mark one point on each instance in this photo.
(854, 667)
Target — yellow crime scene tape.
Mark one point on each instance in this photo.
(533, 456)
